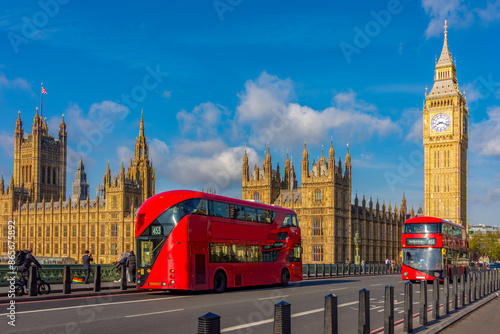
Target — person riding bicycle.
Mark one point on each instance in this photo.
(28, 260)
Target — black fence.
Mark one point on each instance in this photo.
(465, 290)
(341, 269)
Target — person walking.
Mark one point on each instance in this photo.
(388, 264)
(28, 260)
(86, 259)
(132, 266)
(363, 266)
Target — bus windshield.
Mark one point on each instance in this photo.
(422, 228)
(423, 258)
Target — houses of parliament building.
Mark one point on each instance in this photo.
(56, 226)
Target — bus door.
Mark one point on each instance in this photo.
(199, 266)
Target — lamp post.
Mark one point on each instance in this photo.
(356, 243)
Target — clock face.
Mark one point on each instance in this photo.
(441, 122)
(465, 124)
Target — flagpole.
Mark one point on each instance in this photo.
(41, 101)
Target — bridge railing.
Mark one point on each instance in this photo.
(321, 270)
(54, 273)
(472, 288)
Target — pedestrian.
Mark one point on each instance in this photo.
(86, 259)
(363, 266)
(122, 263)
(28, 260)
(388, 264)
(131, 266)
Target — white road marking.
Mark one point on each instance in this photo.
(262, 322)
(338, 289)
(273, 297)
(140, 315)
(376, 284)
(91, 305)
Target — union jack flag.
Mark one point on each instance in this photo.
(44, 91)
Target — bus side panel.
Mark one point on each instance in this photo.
(233, 231)
(200, 277)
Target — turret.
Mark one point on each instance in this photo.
(305, 163)
(331, 159)
(2, 186)
(267, 165)
(245, 167)
(348, 162)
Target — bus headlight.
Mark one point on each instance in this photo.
(405, 273)
(172, 282)
(437, 274)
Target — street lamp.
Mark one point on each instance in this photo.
(356, 243)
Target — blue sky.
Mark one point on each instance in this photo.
(216, 76)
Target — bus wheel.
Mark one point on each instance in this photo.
(220, 282)
(285, 277)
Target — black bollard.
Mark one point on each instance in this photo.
(97, 278)
(32, 281)
(423, 302)
(323, 270)
(331, 324)
(462, 290)
(454, 299)
(435, 299)
(468, 288)
(389, 310)
(473, 287)
(408, 313)
(209, 323)
(123, 280)
(308, 274)
(364, 312)
(446, 295)
(67, 279)
(282, 318)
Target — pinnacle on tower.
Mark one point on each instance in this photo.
(141, 127)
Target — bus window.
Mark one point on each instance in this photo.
(195, 206)
(287, 222)
(220, 209)
(295, 222)
(250, 214)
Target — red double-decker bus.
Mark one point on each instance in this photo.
(433, 247)
(189, 240)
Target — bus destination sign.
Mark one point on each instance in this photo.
(421, 241)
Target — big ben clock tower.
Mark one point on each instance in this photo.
(445, 143)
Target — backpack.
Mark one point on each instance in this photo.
(19, 258)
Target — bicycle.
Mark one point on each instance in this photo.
(43, 287)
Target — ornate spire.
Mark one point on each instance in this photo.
(245, 156)
(445, 57)
(141, 127)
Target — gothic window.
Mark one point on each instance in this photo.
(256, 196)
(5, 231)
(65, 231)
(5, 247)
(32, 232)
(92, 231)
(73, 249)
(65, 248)
(47, 231)
(92, 248)
(103, 249)
(114, 249)
(103, 231)
(75, 232)
(114, 201)
(127, 230)
(318, 253)
(56, 248)
(84, 231)
(47, 248)
(43, 174)
(114, 230)
(317, 195)
(40, 232)
(56, 231)
(48, 175)
(127, 247)
(54, 176)
(39, 248)
(318, 226)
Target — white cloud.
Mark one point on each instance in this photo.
(7, 143)
(412, 122)
(167, 94)
(458, 13)
(201, 148)
(485, 135)
(159, 152)
(16, 83)
(266, 109)
(109, 109)
(493, 195)
(124, 154)
(204, 120)
(220, 171)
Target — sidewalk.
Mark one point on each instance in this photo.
(77, 290)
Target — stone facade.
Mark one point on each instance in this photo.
(329, 222)
(445, 137)
(55, 227)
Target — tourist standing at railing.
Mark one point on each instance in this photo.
(363, 265)
(86, 259)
